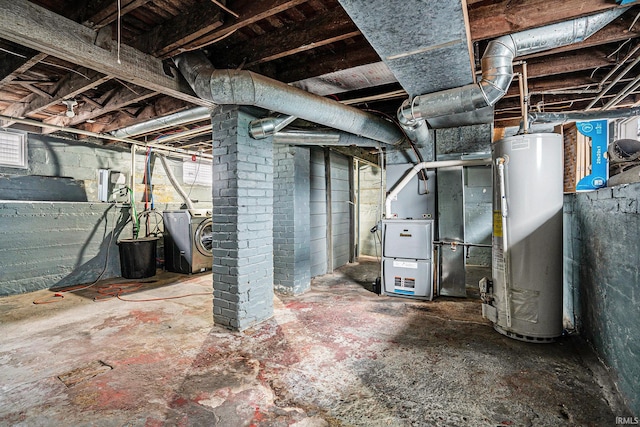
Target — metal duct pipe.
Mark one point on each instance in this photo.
(583, 115)
(497, 68)
(176, 119)
(333, 138)
(240, 87)
(393, 194)
(174, 182)
(264, 128)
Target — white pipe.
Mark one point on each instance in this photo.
(176, 185)
(427, 165)
(505, 250)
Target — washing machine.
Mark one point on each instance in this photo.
(187, 240)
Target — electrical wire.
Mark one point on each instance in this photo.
(119, 29)
(136, 223)
(58, 293)
(195, 177)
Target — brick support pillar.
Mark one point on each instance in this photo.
(242, 222)
(291, 228)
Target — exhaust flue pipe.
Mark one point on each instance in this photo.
(240, 87)
(497, 70)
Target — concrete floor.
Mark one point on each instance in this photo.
(335, 356)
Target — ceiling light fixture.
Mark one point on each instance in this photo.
(70, 103)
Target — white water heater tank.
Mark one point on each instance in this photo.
(525, 301)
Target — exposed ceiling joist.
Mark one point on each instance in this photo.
(71, 85)
(113, 101)
(326, 28)
(11, 65)
(250, 12)
(43, 30)
(167, 38)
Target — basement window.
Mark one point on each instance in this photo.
(13, 149)
(196, 172)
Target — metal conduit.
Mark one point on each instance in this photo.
(497, 70)
(176, 119)
(239, 87)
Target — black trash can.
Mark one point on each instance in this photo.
(138, 257)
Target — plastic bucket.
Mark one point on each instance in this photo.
(138, 257)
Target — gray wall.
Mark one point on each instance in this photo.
(478, 219)
(339, 171)
(55, 244)
(340, 209)
(318, 209)
(602, 258)
(369, 209)
(53, 232)
(291, 220)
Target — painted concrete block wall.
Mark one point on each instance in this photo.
(242, 222)
(63, 170)
(341, 208)
(47, 244)
(602, 259)
(318, 213)
(370, 178)
(291, 220)
(53, 232)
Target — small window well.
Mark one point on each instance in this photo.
(13, 149)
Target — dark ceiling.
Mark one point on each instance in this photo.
(288, 40)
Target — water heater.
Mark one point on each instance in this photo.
(524, 297)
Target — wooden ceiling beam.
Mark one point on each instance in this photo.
(494, 19)
(302, 67)
(38, 28)
(568, 62)
(170, 36)
(324, 29)
(249, 11)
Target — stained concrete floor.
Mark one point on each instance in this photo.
(335, 356)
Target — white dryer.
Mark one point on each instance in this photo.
(187, 240)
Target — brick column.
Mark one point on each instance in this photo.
(292, 220)
(242, 222)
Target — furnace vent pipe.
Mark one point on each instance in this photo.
(583, 115)
(497, 69)
(327, 138)
(187, 116)
(264, 128)
(393, 194)
(241, 87)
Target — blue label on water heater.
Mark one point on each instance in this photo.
(597, 130)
